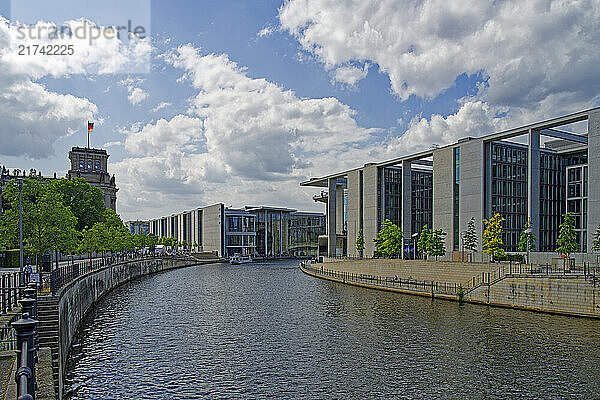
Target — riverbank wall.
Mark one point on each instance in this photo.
(78, 297)
(513, 286)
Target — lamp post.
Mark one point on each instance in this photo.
(414, 238)
(528, 232)
(20, 181)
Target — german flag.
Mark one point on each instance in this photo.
(90, 127)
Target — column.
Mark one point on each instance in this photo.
(593, 207)
(533, 183)
(331, 216)
(406, 202)
(339, 209)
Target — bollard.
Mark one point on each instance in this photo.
(25, 375)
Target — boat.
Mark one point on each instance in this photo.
(239, 259)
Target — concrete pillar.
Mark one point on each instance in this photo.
(533, 182)
(339, 209)
(406, 202)
(443, 193)
(331, 216)
(593, 176)
(369, 208)
(353, 212)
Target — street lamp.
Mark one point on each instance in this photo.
(414, 238)
(20, 182)
(528, 232)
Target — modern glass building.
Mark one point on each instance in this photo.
(538, 172)
(259, 231)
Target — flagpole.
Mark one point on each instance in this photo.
(88, 131)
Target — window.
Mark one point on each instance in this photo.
(81, 164)
(89, 164)
(97, 165)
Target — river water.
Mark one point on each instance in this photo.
(266, 330)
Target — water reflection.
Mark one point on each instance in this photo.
(269, 331)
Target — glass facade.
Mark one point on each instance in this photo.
(552, 199)
(240, 234)
(576, 195)
(283, 233)
(422, 200)
(509, 190)
(456, 199)
(392, 177)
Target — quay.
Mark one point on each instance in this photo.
(541, 288)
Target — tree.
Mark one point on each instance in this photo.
(527, 238)
(360, 243)
(141, 240)
(567, 239)
(389, 239)
(435, 244)
(152, 241)
(48, 225)
(492, 236)
(596, 242)
(470, 238)
(195, 246)
(424, 238)
(84, 200)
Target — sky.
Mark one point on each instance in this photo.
(239, 101)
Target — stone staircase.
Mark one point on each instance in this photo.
(48, 332)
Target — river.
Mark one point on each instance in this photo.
(266, 330)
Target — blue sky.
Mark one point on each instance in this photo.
(368, 80)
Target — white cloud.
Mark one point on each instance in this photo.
(350, 75)
(32, 118)
(161, 105)
(137, 95)
(266, 31)
(529, 51)
(244, 140)
(112, 144)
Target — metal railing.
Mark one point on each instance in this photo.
(585, 271)
(389, 282)
(27, 344)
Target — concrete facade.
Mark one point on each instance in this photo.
(471, 197)
(594, 174)
(354, 205)
(443, 193)
(370, 208)
(494, 175)
(533, 177)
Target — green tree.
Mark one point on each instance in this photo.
(48, 225)
(195, 246)
(360, 243)
(470, 238)
(435, 244)
(152, 241)
(492, 236)
(527, 238)
(141, 240)
(596, 238)
(424, 239)
(567, 239)
(84, 200)
(389, 239)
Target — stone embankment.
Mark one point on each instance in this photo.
(515, 286)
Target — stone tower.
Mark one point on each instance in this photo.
(92, 165)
